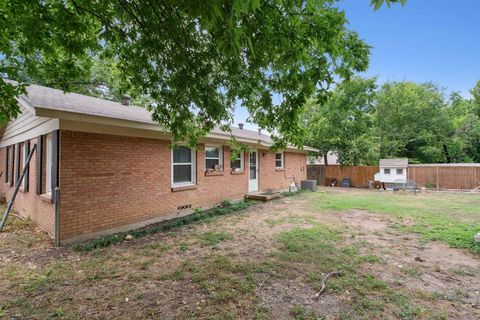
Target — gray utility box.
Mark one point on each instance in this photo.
(309, 185)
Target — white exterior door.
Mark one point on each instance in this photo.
(253, 171)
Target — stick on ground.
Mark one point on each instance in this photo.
(324, 282)
(261, 284)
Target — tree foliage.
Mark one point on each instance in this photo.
(378, 3)
(193, 60)
(344, 121)
(411, 122)
(364, 123)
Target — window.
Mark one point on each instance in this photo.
(12, 165)
(399, 171)
(214, 158)
(49, 164)
(236, 162)
(7, 157)
(183, 166)
(24, 161)
(386, 171)
(279, 160)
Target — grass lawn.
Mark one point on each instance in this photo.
(452, 218)
(399, 256)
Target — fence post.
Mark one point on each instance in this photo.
(475, 183)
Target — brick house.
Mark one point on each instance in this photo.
(116, 170)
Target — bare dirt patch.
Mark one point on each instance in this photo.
(179, 275)
(432, 269)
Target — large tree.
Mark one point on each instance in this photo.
(412, 122)
(464, 115)
(193, 60)
(364, 123)
(343, 123)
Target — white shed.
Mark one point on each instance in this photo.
(392, 171)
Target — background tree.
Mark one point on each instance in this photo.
(343, 122)
(464, 116)
(364, 123)
(411, 122)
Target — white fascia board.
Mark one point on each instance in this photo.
(80, 117)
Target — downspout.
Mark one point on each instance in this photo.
(55, 185)
(57, 216)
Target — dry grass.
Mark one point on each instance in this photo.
(265, 262)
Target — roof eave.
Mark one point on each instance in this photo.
(82, 117)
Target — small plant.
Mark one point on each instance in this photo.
(58, 313)
(183, 247)
(430, 185)
(145, 265)
(226, 203)
(302, 313)
(408, 312)
(212, 238)
(290, 193)
(370, 258)
(37, 281)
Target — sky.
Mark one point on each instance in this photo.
(423, 41)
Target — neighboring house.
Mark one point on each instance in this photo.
(392, 171)
(116, 169)
(332, 159)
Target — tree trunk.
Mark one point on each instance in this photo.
(445, 152)
(325, 158)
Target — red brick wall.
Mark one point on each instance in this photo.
(108, 181)
(28, 204)
(295, 170)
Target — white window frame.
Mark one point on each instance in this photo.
(385, 171)
(399, 174)
(281, 159)
(242, 168)
(48, 164)
(193, 168)
(220, 156)
(24, 160)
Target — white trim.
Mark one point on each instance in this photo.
(44, 128)
(241, 156)
(48, 163)
(25, 152)
(253, 183)
(282, 159)
(81, 126)
(75, 116)
(219, 158)
(193, 168)
(26, 104)
(70, 116)
(82, 117)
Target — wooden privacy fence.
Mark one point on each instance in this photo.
(430, 176)
(359, 175)
(445, 176)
